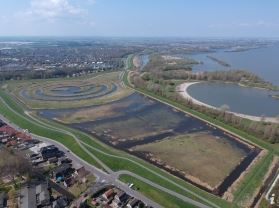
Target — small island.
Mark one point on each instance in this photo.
(275, 96)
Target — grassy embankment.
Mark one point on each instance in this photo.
(253, 180)
(116, 160)
(129, 62)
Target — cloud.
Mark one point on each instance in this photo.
(4, 19)
(91, 1)
(260, 23)
(243, 25)
(51, 10)
(50, 17)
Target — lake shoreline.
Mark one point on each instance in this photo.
(182, 89)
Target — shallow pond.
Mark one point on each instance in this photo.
(69, 90)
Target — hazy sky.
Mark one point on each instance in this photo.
(180, 18)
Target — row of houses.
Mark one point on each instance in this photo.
(113, 197)
(49, 188)
(11, 137)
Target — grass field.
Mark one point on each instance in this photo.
(161, 197)
(201, 157)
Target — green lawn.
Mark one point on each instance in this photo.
(160, 197)
(253, 179)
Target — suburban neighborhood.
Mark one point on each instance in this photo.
(52, 179)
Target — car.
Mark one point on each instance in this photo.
(33, 156)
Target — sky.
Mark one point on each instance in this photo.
(140, 18)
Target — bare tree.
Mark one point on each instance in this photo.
(224, 108)
(263, 118)
(13, 164)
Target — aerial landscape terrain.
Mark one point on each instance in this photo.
(128, 119)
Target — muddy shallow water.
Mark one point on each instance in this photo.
(144, 120)
(93, 92)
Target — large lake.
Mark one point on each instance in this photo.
(250, 101)
(262, 61)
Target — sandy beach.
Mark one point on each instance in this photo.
(182, 89)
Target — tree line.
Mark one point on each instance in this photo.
(236, 76)
(166, 88)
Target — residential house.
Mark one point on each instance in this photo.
(3, 200)
(34, 194)
(69, 181)
(121, 197)
(51, 151)
(1, 123)
(61, 202)
(108, 195)
(133, 203)
(62, 171)
(81, 174)
(8, 130)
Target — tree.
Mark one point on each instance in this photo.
(224, 108)
(263, 118)
(13, 164)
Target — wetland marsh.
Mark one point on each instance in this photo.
(204, 155)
